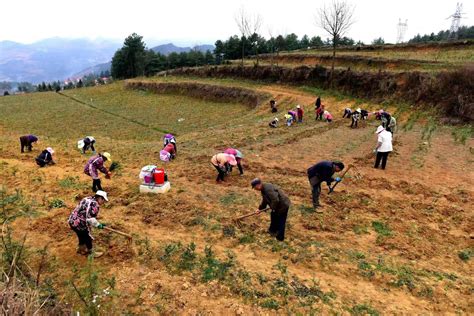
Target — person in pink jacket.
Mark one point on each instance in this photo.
(238, 157)
(328, 116)
(221, 162)
(92, 168)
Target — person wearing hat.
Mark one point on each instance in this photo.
(46, 157)
(27, 141)
(384, 146)
(92, 168)
(221, 162)
(355, 118)
(83, 217)
(327, 116)
(274, 123)
(289, 119)
(88, 142)
(299, 112)
(347, 113)
(278, 201)
(321, 172)
(238, 157)
(170, 139)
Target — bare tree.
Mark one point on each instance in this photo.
(248, 25)
(336, 19)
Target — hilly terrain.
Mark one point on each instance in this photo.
(395, 241)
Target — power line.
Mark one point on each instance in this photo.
(401, 30)
(456, 21)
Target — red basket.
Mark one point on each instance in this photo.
(159, 176)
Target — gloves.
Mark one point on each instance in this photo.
(101, 226)
(338, 179)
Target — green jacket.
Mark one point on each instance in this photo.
(274, 197)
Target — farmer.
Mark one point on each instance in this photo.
(238, 157)
(168, 153)
(384, 146)
(347, 113)
(169, 138)
(317, 104)
(392, 125)
(221, 162)
(274, 123)
(319, 112)
(92, 168)
(355, 118)
(378, 114)
(322, 172)
(385, 118)
(279, 203)
(89, 142)
(289, 119)
(299, 112)
(273, 106)
(327, 116)
(83, 217)
(364, 114)
(293, 114)
(46, 157)
(27, 141)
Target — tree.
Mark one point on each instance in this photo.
(247, 26)
(304, 43)
(316, 41)
(336, 19)
(378, 41)
(129, 61)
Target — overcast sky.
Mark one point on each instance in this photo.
(204, 21)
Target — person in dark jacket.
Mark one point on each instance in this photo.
(27, 141)
(356, 116)
(347, 113)
(317, 104)
(278, 201)
(89, 142)
(322, 172)
(273, 106)
(46, 157)
(365, 114)
(83, 217)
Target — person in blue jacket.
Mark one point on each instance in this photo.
(322, 172)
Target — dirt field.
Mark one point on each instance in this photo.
(390, 242)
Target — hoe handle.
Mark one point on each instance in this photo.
(331, 189)
(118, 232)
(250, 214)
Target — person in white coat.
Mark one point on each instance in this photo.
(384, 146)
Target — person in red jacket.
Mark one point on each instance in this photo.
(299, 112)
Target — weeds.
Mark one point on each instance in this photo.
(97, 294)
(71, 183)
(363, 309)
(461, 134)
(214, 269)
(56, 203)
(466, 254)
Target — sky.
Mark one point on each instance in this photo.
(194, 22)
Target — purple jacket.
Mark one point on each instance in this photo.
(86, 209)
(32, 138)
(93, 166)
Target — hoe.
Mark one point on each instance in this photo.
(357, 176)
(238, 221)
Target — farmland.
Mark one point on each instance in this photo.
(393, 241)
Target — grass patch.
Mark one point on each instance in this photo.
(71, 183)
(363, 309)
(382, 229)
(466, 254)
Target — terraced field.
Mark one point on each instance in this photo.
(397, 241)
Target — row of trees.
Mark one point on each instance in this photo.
(134, 59)
(464, 32)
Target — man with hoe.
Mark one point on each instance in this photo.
(279, 204)
(322, 172)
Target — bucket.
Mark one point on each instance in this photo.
(159, 176)
(147, 179)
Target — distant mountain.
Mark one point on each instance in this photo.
(52, 59)
(169, 48)
(95, 70)
(165, 49)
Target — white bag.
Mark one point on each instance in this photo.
(80, 144)
(146, 171)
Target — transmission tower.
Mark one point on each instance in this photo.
(456, 21)
(401, 30)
